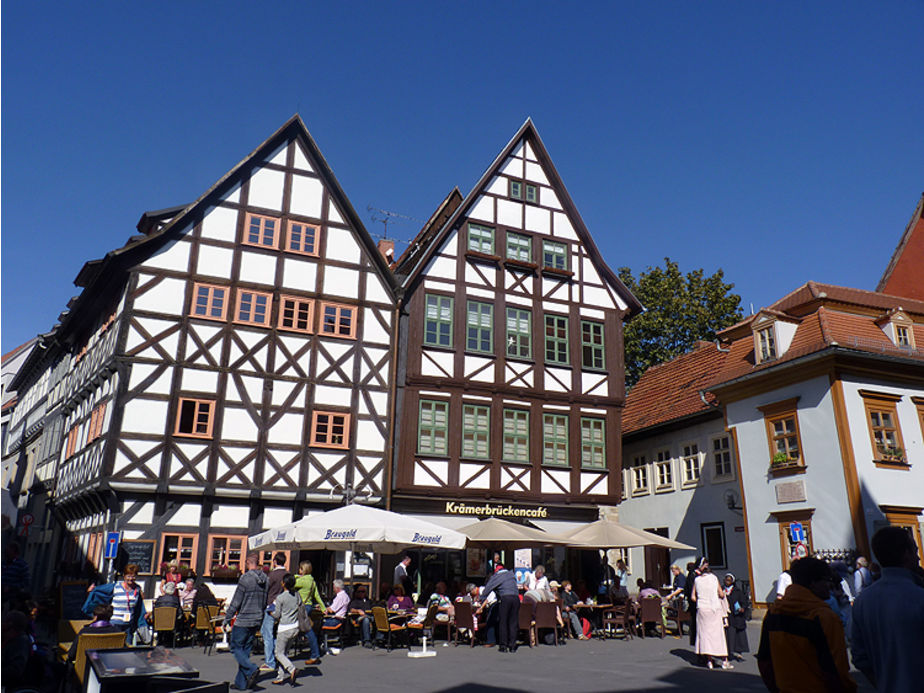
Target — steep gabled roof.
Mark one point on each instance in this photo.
(671, 390)
(527, 131)
(811, 291)
(104, 272)
(439, 217)
(904, 274)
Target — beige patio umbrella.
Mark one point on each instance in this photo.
(494, 531)
(607, 533)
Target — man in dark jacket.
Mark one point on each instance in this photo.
(249, 605)
(273, 590)
(504, 582)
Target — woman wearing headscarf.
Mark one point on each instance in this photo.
(736, 632)
(711, 609)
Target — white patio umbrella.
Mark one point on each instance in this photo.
(607, 533)
(357, 528)
(494, 531)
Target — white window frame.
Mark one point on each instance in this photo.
(662, 459)
(716, 477)
(772, 343)
(640, 469)
(685, 456)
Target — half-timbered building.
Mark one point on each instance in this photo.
(511, 342)
(230, 366)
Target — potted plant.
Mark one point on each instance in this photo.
(891, 453)
(225, 572)
(781, 459)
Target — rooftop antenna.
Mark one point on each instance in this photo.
(385, 217)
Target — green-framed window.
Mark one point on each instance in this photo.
(524, 191)
(593, 443)
(481, 239)
(516, 189)
(519, 333)
(554, 255)
(519, 247)
(555, 439)
(592, 344)
(480, 327)
(556, 339)
(476, 431)
(516, 435)
(433, 427)
(532, 192)
(438, 321)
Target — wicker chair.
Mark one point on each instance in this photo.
(387, 628)
(650, 612)
(547, 617)
(94, 641)
(164, 620)
(67, 634)
(205, 625)
(526, 621)
(619, 616)
(426, 626)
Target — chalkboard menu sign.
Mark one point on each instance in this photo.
(73, 595)
(140, 552)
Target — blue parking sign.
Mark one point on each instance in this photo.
(112, 544)
(796, 532)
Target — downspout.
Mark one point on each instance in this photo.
(392, 404)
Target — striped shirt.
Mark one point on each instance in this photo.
(123, 602)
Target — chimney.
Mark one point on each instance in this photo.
(387, 248)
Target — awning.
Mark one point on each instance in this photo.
(558, 526)
(447, 521)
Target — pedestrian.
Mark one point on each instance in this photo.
(247, 607)
(401, 576)
(621, 588)
(273, 589)
(15, 573)
(127, 602)
(504, 582)
(736, 633)
(308, 591)
(784, 581)
(692, 574)
(285, 614)
(711, 612)
(802, 645)
(862, 577)
(887, 631)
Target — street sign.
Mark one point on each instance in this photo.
(800, 550)
(796, 532)
(26, 519)
(112, 544)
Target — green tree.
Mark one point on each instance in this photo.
(679, 310)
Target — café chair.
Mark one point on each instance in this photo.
(67, 634)
(650, 612)
(333, 632)
(526, 621)
(425, 627)
(465, 620)
(164, 620)
(547, 617)
(94, 641)
(386, 628)
(616, 617)
(206, 624)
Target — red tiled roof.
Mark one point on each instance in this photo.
(671, 390)
(811, 291)
(12, 352)
(824, 328)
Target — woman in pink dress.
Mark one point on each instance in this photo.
(711, 610)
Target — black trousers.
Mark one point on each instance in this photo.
(508, 620)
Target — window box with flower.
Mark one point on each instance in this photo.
(225, 572)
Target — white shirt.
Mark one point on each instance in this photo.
(782, 582)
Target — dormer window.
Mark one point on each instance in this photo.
(902, 336)
(898, 328)
(766, 344)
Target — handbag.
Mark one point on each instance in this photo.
(304, 621)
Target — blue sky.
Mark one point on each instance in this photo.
(779, 141)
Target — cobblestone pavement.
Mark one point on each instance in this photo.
(649, 664)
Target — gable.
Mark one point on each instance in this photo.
(521, 193)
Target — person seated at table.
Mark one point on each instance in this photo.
(569, 601)
(445, 609)
(360, 610)
(100, 624)
(169, 597)
(537, 580)
(399, 601)
(488, 613)
(188, 593)
(471, 596)
(646, 589)
(337, 610)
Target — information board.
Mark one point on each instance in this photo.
(137, 551)
(72, 595)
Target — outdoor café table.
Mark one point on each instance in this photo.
(594, 614)
(125, 670)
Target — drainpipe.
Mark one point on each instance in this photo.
(392, 404)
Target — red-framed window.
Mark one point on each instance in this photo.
(338, 320)
(253, 308)
(303, 238)
(181, 548)
(330, 429)
(194, 418)
(226, 551)
(296, 313)
(209, 301)
(72, 436)
(262, 231)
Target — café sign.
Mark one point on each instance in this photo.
(495, 510)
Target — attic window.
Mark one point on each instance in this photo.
(520, 190)
(766, 344)
(902, 336)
